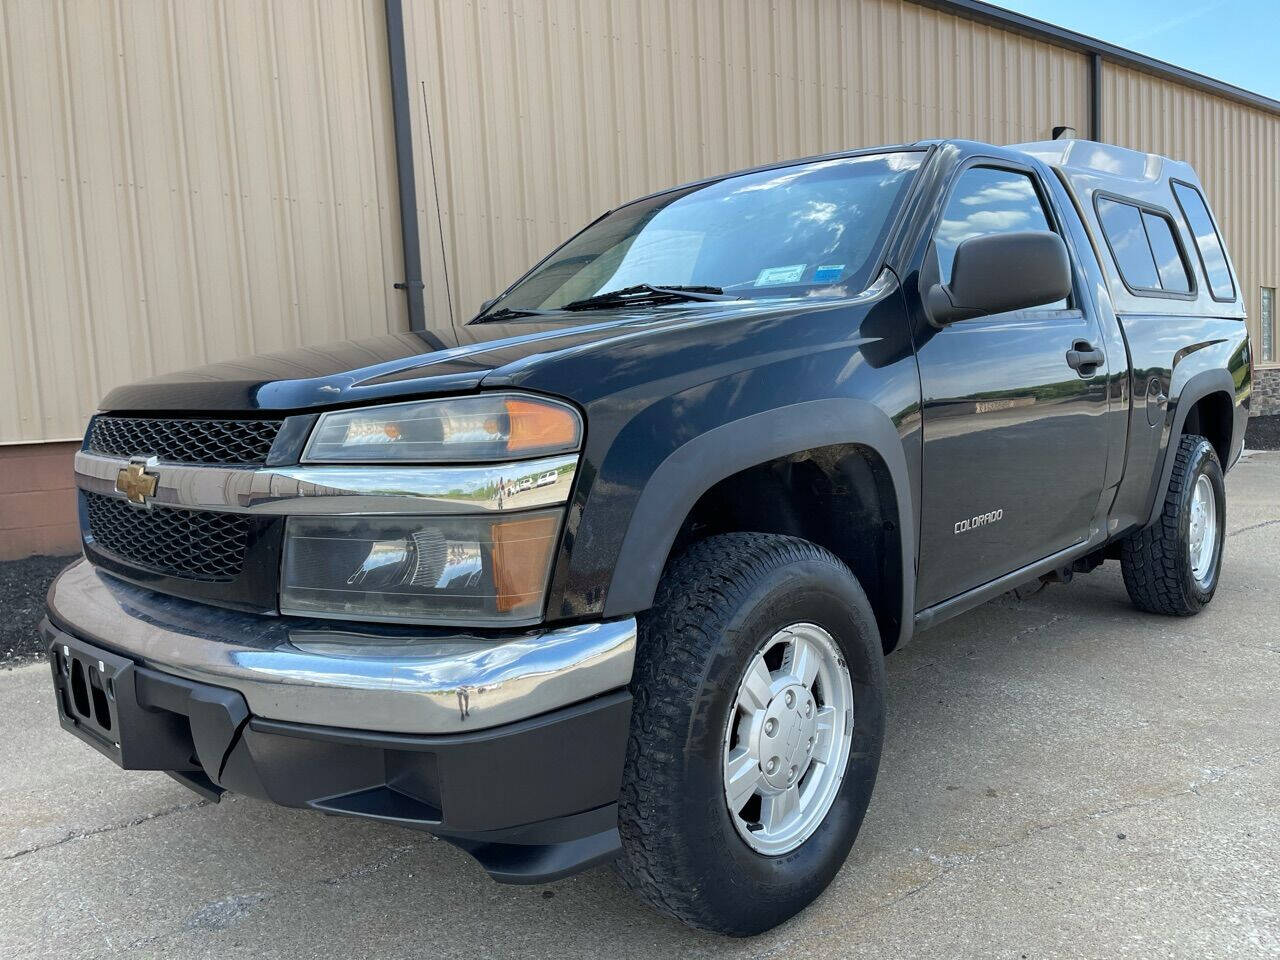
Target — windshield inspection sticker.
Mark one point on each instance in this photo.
(828, 273)
(771, 276)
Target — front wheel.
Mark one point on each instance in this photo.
(1172, 566)
(759, 696)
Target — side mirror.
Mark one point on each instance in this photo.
(1001, 272)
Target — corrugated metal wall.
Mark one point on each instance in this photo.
(183, 182)
(531, 117)
(190, 181)
(1235, 149)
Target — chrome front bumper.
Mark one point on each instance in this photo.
(317, 673)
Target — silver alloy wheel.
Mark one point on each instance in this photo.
(1202, 536)
(787, 739)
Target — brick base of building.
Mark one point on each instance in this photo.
(37, 500)
(1266, 393)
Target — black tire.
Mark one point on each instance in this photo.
(1156, 560)
(714, 608)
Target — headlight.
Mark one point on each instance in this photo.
(487, 427)
(471, 570)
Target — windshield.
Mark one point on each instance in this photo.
(812, 228)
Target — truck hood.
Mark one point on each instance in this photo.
(583, 357)
(392, 366)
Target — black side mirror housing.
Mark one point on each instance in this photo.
(1001, 272)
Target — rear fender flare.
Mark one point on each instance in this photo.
(1194, 390)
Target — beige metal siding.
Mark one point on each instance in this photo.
(544, 113)
(1235, 149)
(184, 182)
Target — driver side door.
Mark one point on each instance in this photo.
(1014, 448)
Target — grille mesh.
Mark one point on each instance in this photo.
(185, 441)
(195, 544)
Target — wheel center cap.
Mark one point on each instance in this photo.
(786, 736)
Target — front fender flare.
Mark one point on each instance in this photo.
(693, 468)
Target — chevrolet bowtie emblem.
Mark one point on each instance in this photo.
(135, 483)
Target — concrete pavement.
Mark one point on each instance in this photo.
(1064, 777)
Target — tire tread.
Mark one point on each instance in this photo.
(1153, 560)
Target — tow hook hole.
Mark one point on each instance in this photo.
(79, 689)
(101, 711)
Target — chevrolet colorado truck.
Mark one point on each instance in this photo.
(610, 571)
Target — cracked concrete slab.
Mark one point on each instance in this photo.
(51, 787)
(1064, 777)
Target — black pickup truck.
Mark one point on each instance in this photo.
(610, 571)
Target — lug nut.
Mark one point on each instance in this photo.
(791, 699)
(770, 727)
(808, 709)
(772, 766)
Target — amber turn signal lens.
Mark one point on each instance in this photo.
(539, 426)
(521, 561)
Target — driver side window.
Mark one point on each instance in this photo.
(988, 200)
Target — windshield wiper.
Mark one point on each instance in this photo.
(647, 293)
(507, 313)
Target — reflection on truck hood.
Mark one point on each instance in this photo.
(451, 361)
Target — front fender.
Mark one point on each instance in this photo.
(671, 412)
(695, 467)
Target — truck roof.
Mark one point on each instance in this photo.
(1107, 161)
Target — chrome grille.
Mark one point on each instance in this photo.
(185, 441)
(195, 544)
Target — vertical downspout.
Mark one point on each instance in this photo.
(412, 284)
(1095, 97)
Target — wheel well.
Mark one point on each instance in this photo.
(1210, 417)
(839, 497)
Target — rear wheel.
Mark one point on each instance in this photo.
(1172, 566)
(756, 732)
